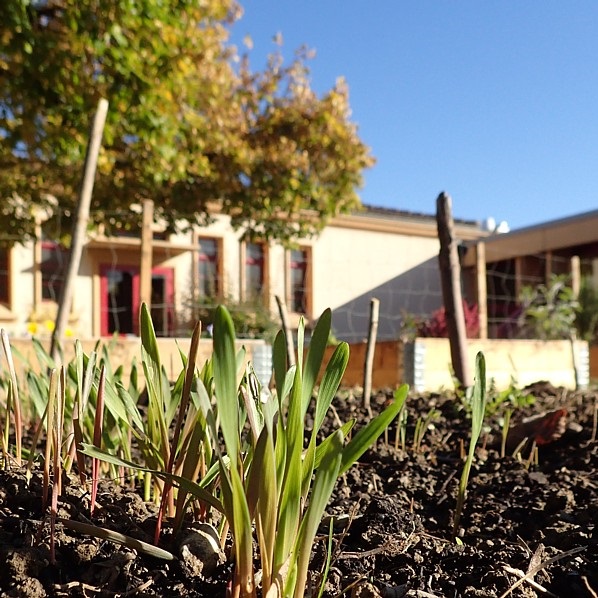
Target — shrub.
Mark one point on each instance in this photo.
(548, 311)
(251, 319)
(436, 325)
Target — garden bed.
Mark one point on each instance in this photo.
(394, 513)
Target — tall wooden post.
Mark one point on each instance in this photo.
(145, 269)
(518, 261)
(481, 288)
(369, 354)
(288, 333)
(37, 260)
(79, 226)
(547, 267)
(450, 275)
(575, 266)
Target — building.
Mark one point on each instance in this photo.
(388, 254)
(497, 267)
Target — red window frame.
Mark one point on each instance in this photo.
(132, 311)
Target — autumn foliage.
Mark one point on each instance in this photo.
(190, 124)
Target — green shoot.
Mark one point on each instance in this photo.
(478, 404)
(421, 426)
(505, 432)
(13, 400)
(117, 538)
(184, 403)
(97, 439)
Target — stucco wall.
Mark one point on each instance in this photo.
(351, 267)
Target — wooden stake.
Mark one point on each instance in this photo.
(284, 320)
(369, 353)
(482, 291)
(450, 275)
(145, 269)
(79, 226)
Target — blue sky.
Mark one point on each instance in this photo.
(495, 103)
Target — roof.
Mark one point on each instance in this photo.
(385, 212)
(573, 235)
(388, 220)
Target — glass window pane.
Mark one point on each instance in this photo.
(254, 271)
(53, 269)
(298, 281)
(208, 267)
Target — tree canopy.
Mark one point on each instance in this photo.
(190, 124)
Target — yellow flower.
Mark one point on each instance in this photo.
(68, 332)
(49, 324)
(32, 327)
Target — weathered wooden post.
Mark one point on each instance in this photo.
(145, 267)
(369, 354)
(450, 275)
(481, 288)
(284, 320)
(79, 226)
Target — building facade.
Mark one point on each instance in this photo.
(388, 254)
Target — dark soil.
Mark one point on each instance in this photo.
(528, 513)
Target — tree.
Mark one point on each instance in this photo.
(190, 125)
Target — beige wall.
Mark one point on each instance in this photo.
(14, 319)
(348, 263)
(353, 260)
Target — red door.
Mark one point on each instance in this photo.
(119, 289)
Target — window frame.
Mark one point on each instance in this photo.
(54, 246)
(307, 281)
(264, 294)
(219, 282)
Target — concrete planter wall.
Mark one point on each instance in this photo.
(124, 350)
(427, 362)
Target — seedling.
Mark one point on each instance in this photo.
(505, 432)
(263, 479)
(478, 404)
(13, 401)
(421, 426)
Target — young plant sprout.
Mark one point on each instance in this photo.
(215, 437)
(478, 405)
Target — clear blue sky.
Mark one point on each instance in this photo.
(494, 102)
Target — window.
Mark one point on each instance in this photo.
(119, 300)
(255, 259)
(4, 276)
(299, 295)
(209, 267)
(53, 268)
